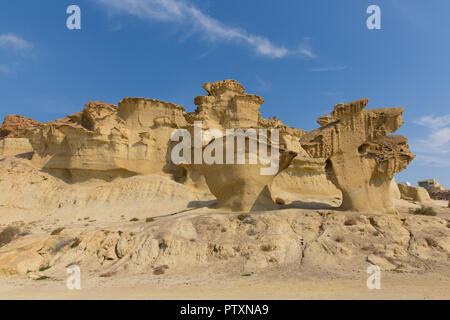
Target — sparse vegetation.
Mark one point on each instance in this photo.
(339, 239)
(149, 220)
(62, 244)
(398, 271)
(134, 219)
(242, 217)
(57, 231)
(246, 275)
(42, 278)
(350, 222)
(268, 247)
(432, 243)
(160, 270)
(42, 269)
(8, 234)
(425, 211)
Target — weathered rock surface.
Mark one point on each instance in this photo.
(395, 191)
(14, 126)
(413, 193)
(362, 157)
(12, 135)
(227, 106)
(14, 146)
(244, 186)
(105, 141)
(27, 193)
(326, 242)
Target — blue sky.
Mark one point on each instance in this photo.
(302, 56)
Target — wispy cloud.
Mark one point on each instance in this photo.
(326, 69)
(262, 85)
(15, 48)
(14, 42)
(4, 68)
(183, 12)
(432, 160)
(433, 121)
(434, 149)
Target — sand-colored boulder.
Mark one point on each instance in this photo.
(361, 157)
(412, 193)
(21, 256)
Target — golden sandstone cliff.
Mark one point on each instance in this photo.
(351, 153)
(106, 141)
(99, 188)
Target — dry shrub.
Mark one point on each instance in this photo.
(57, 231)
(160, 270)
(8, 234)
(268, 247)
(432, 243)
(242, 217)
(350, 222)
(425, 211)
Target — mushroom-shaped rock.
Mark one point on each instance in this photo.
(244, 183)
(362, 158)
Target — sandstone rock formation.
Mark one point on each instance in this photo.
(361, 157)
(14, 126)
(413, 193)
(14, 146)
(395, 191)
(227, 106)
(243, 186)
(106, 141)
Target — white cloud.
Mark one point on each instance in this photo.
(438, 139)
(434, 149)
(433, 121)
(325, 69)
(432, 160)
(11, 41)
(183, 12)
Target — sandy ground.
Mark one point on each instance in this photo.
(393, 286)
(97, 219)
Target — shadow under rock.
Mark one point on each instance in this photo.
(201, 204)
(309, 205)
